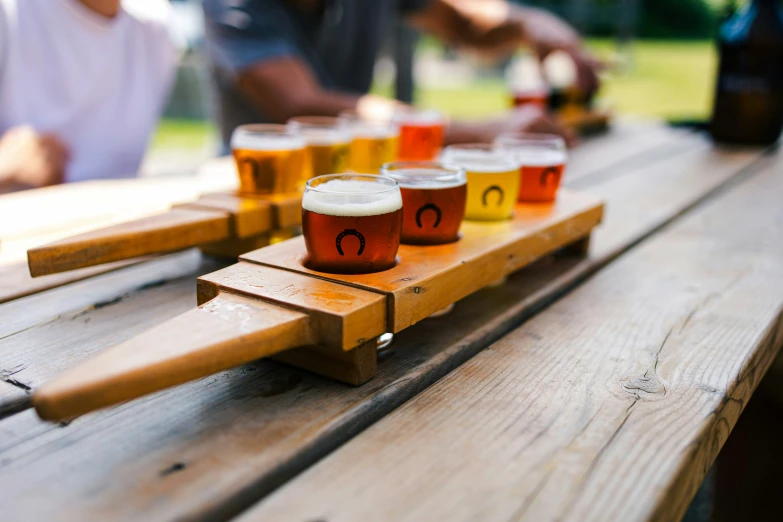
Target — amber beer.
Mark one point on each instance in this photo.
(351, 223)
(542, 159)
(493, 180)
(433, 201)
(328, 141)
(535, 97)
(269, 159)
(373, 142)
(421, 135)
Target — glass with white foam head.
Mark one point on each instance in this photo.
(421, 134)
(493, 179)
(327, 141)
(351, 223)
(542, 159)
(373, 142)
(433, 200)
(269, 159)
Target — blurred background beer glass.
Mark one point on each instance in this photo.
(421, 134)
(542, 159)
(373, 142)
(327, 140)
(433, 201)
(493, 179)
(351, 223)
(270, 159)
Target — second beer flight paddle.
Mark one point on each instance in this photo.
(320, 301)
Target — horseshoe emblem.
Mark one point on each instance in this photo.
(549, 176)
(349, 232)
(263, 172)
(492, 188)
(424, 208)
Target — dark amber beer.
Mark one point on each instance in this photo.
(433, 201)
(749, 91)
(351, 223)
(269, 159)
(421, 135)
(542, 159)
(535, 97)
(328, 141)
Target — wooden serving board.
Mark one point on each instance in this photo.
(269, 303)
(221, 223)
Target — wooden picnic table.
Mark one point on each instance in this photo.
(585, 388)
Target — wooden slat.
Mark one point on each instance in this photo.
(429, 279)
(170, 231)
(610, 405)
(16, 281)
(212, 447)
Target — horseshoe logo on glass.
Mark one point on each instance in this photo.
(549, 176)
(350, 232)
(423, 209)
(492, 188)
(263, 172)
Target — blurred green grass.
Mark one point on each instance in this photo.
(666, 79)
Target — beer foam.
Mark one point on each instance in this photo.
(249, 141)
(483, 162)
(419, 118)
(325, 136)
(540, 158)
(423, 179)
(374, 133)
(351, 198)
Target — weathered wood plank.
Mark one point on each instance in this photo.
(610, 405)
(223, 442)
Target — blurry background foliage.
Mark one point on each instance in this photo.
(667, 71)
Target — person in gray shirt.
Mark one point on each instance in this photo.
(276, 59)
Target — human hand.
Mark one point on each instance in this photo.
(32, 159)
(547, 33)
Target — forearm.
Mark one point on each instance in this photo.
(492, 27)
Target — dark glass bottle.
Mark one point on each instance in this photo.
(749, 92)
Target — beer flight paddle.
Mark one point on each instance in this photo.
(274, 304)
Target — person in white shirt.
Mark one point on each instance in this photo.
(82, 85)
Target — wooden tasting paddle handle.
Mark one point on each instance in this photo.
(170, 231)
(225, 332)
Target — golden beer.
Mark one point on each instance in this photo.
(351, 223)
(493, 180)
(373, 143)
(269, 159)
(328, 141)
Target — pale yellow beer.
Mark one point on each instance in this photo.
(328, 141)
(269, 159)
(493, 180)
(373, 143)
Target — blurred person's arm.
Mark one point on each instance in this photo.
(498, 28)
(29, 159)
(272, 76)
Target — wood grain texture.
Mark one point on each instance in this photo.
(248, 217)
(340, 316)
(174, 230)
(579, 415)
(16, 281)
(427, 279)
(222, 333)
(210, 448)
